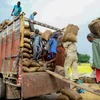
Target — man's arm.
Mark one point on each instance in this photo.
(13, 11)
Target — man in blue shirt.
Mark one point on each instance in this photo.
(52, 50)
(37, 45)
(31, 25)
(16, 10)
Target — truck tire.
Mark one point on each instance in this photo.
(2, 89)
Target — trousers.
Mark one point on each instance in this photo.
(71, 61)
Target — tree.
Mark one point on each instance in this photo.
(83, 58)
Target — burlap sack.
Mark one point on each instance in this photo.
(34, 64)
(31, 55)
(7, 21)
(26, 62)
(25, 55)
(73, 95)
(93, 80)
(27, 45)
(26, 34)
(26, 50)
(81, 78)
(50, 68)
(94, 27)
(26, 30)
(72, 29)
(33, 69)
(26, 40)
(25, 69)
(41, 63)
(30, 51)
(41, 69)
(59, 68)
(26, 26)
(1, 26)
(69, 37)
(62, 97)
(89, 80)
(46, 35)
(85, 79)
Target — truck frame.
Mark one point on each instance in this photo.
(14, 83)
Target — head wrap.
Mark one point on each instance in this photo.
(93, 35)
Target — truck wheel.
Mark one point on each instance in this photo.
(2, 89)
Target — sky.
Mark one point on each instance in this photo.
(59, 13)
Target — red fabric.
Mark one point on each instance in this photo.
(98, 74)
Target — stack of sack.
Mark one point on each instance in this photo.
(87, 79)
(94, 27)
(4, 23)
(70, 33)
(69, 94)
(28, 65)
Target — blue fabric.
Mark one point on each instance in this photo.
(78, 89)
(52, 55)
(53, 45)
(31, 17)
(17, 10)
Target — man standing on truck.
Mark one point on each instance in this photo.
(16, 10)
(36, 44)
(31, 25)
(71, 60)
(52, 50)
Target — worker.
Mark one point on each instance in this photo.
(71, 60)
(52, 50)
(16, 10)
(31, 25)
(95, 40)
(37, 45)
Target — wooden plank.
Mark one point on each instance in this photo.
(70, 82)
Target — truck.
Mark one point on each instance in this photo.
(14, 83)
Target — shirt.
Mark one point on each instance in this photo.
(53, 45)
(37, 41)
(70, 47)
(31, 17)
(17, 10)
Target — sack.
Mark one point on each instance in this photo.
(26, 26)
(26, 45)
(73, 95)
(62, 97)
(26, 62)
(41, 63)
(27, 33)
(25, 55)
(25, 69)
(33, 69)
(69, 37)
(71, 29)
(41, 69)
(59, 68)
(26, 50)
(46, 35)
(34, 64)
(94, 27)
(26, 40)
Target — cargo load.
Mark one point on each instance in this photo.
(70, 33)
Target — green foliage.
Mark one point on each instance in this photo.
(83, 58)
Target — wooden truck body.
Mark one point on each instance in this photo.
(18, 84)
